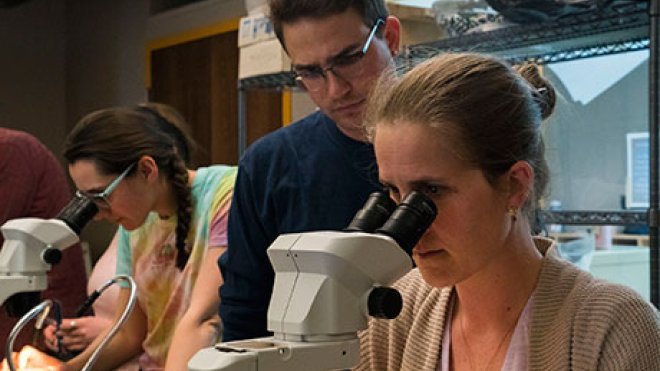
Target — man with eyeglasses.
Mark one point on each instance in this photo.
(316, 173)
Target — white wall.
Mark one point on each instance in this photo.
(32, 70)
(105, 54)
(62, 59)
(586, 142)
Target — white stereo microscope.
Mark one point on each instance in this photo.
(326, 285)
(31, 246)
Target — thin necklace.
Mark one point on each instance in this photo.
(497, 350)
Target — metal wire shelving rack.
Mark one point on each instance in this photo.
(620, 28)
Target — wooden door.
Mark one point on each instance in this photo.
(200, 78)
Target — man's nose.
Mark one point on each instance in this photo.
(336, 85)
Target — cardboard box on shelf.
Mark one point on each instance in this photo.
(262, 58)
(254, 28)
(256, 6)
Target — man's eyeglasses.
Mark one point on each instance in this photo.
(101, 198)
(346, 67)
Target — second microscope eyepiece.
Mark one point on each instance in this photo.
(410, 220)
(373, 214)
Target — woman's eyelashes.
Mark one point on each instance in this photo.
(433, 190)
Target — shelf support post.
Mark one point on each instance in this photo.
(242, 120)
(654, 144)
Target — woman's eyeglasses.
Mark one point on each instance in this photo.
(101, 198)
(347, 67)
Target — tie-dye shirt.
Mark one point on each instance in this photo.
(148, 254)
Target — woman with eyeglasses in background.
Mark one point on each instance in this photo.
(132, 163)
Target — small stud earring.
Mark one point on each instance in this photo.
(513, 212)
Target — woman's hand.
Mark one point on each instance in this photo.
(75, 334)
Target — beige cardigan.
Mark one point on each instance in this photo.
(578, 323)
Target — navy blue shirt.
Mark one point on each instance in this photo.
(304, 177)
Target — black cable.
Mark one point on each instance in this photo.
(92, 298)
(82, 310)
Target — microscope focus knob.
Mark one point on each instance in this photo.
(384, 302)
(52, 255)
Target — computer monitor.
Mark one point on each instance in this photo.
(637, 179)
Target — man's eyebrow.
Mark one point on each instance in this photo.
(307, 67)
(344, 52)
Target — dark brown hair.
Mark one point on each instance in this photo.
(171, 121)
(290, 11)
(115, 138)
(491, 111)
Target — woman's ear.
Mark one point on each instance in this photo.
(147, 169)
(520, 178)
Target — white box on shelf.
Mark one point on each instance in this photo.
(254, 28)
(262, 58)
(627, 265)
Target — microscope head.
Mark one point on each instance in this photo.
(31, 245)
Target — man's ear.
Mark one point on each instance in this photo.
(392, 34)
(520, 180)
(147, 169)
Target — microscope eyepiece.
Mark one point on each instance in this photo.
(410, 220)
(78, 212)
(373, 214)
